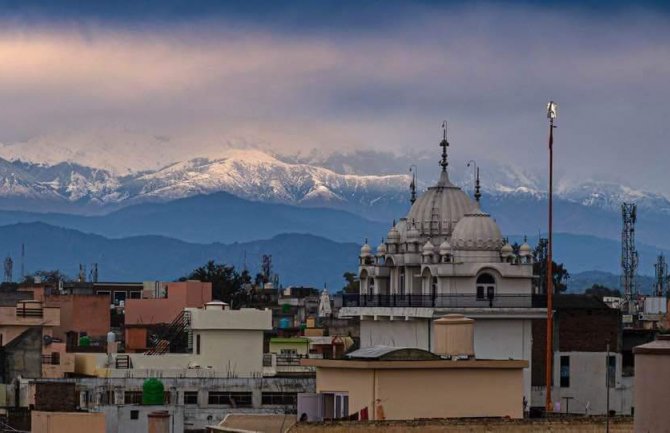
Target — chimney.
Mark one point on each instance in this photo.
(159, 422)
(454, 336)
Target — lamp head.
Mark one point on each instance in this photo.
(551, 110)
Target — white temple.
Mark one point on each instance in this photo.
(447, 256)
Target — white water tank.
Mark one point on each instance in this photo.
(111, 337)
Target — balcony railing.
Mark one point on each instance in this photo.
(53, 359)
(23, 311)
(445, 301)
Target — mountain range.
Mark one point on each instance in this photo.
(245, 195)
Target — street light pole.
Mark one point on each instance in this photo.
(551, 115)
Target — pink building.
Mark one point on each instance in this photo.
(161, 306)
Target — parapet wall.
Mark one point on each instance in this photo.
(571, 425)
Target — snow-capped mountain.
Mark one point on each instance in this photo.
(259, 175)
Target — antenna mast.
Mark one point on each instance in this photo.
(629, 258)
(9, 267)
(661, 268)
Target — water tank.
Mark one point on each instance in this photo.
(454, 336)
(84, 341)
(284, 323)
(153, 392)
(111, 337)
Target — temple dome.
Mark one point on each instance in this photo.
(437, 210)
(525, 250)
(381, 249)
(366, 250)
(477, 231)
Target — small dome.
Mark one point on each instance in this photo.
(525, 250)
(477, 231)
(445, 248)
(393, 236)
(413, 233)
(507, 250)
(428, 248)
(381, 249)
(366, 250)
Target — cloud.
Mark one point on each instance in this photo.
(387, 86)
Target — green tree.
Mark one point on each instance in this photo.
(226, 282)
(601, 291)
(560, 274)
(50, 278)
(353, 283)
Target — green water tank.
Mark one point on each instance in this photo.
(153, 392)
(84, 341)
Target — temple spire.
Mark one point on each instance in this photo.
(444, 143)
(412, 186)
(478, 193)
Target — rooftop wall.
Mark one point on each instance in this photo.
(180, 295)
(68, 422)
(81, 313)
(244, 319)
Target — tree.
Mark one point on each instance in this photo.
(353, 283)
(601, 291)
(226, 281)
(560, 274)
(50, 278)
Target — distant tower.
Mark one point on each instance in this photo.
(23, 261)
(82, 273)
(629, 257)
(9, 267)
(93, 276)
(661, 268)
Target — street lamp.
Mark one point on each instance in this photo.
(551, 115)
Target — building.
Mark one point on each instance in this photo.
(652, 393)
(584, 328)
(393, 383)
(447, 256)
(27, 347)
(83, 314)
(159, 305)
(215, 339)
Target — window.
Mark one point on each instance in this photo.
(134, 414)
(565, 371)
(132, 397)
(197, 344)
(289, 352)
(401, 282)
(135, 295)
(611, 371)
(280, 398)
(190, 397)
(234, 399)
(118, 297)
(486, 286)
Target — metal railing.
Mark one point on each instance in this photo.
(23, 311)
(53, 359)
(445, 301)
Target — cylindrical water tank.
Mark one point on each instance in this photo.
(84, 341)
(454, 336)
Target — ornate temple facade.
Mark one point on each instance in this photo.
(447, 256)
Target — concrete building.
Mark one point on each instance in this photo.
(220, 341)
(83, 314)
(652, 386)
(160, 304)
(68, 422)
(584, 327)
(447, 256)
(394, 383)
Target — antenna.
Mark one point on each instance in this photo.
(629, 257)
(23, 260)
(9, 266)
(661, 268)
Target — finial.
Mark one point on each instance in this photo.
(444, 143)
(525, 239)
(412, 186)
(393, 222)
(478, 193)
(366, 240)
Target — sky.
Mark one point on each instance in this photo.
(329, 76)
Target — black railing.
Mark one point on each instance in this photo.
(445, 301)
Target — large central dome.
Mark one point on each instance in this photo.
(436, 212)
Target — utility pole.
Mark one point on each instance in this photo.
(607, 384)
(551, 115)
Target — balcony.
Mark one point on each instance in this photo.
(445, 301)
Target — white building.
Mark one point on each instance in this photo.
(447, 256)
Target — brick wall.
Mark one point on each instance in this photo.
(55, 397)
